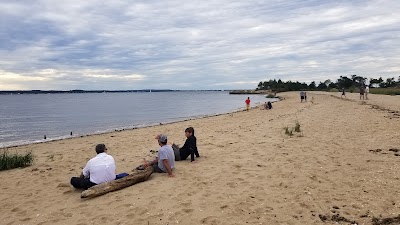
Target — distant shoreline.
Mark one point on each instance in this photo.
(250, 92)
(17, 92)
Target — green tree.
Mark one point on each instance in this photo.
(322, 86)
(312, 86)
(344, 82)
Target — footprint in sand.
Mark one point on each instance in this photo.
(188, 210)
(209, 220)
(63, 185)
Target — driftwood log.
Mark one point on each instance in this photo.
(136, 177)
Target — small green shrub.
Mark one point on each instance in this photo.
(11, 161)
(351, 90)
(50, 157)
(270, 96)
(288, 131)
(297, 127)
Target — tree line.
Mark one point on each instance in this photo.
(354, 81)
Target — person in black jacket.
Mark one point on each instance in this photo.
(189, 148)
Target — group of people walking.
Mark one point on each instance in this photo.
(303, 96)
(364, 91)
(102, 168)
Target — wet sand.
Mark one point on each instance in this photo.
(345, 162)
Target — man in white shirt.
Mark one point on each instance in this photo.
(99, 169)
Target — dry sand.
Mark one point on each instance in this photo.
(249, 172)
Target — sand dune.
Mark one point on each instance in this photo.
(343, 162)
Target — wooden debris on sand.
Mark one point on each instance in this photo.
(136, 177)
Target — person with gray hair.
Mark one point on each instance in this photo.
(165, 160)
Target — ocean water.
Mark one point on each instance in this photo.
(27, 118)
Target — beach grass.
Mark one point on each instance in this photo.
(10, 161)
(385, 91)
(288, 131)
(297, 127)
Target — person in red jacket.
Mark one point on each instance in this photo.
(247, 103)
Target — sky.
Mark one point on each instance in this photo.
(197, 44)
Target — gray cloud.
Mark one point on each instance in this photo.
(193, 45)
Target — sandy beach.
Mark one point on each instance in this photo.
(343, 162)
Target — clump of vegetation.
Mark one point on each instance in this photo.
(270, 96)
(333, 90)
(288, 131)
(297, 127)
(50, 157)
(385, 91)
(11, 161)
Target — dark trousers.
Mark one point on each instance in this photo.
(81, 183)
(156, 168)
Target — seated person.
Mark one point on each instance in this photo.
(165, 160)
(189, 148)
(99, 169)
(263, 106)
(269, 105)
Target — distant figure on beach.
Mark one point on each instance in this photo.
(99, 169)
(301, 96)
(269, 105)
(362, 91)
(343, 93)
(189, 148)
(263, 106)
(247, 103)
(305, 96)
(165, 160)
(366, 92)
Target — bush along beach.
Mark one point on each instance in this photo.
(351, 84)
(10, 161)
(385, 91)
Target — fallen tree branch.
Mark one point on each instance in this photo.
(136, 177)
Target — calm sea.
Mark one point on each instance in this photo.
(27, 118)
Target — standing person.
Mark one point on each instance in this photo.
(366, 92)
(343, 93)
(99, 169)
(301, 96)
(189, 148)
(165, 160)
(362, 91)
(247, 103)
(305, 96)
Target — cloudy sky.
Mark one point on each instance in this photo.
(197, 44)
